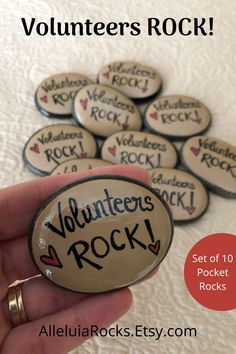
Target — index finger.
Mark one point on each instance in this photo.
(19, 203)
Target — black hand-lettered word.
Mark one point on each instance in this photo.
(55, 154)
(99, 113)
(180, 104)
(55, 85)
(108, 206)
(171, 181)
(105, 98)
(179, 117)
(177, 199)
(100, 246)
(128, 81)
(151, 161)
(212, 146)
(51, 138)
(62, 98)
(131, 70)
(212, 161)
(143, 143)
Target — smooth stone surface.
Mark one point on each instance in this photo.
(55, 94)
(177, 117)
(76, 165)
(101, 233)
(54, 144)
(184, 193)
(104, 111)
(214, 161)
(135, 80)
(140, 149)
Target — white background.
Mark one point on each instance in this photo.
(202, 67)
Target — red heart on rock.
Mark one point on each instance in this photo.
(106, 74)
(35, 148)
(112, 150)
(195, 151)
(44, 99)
(125, 126)
(190, 210)
(84, 103)
(52, 259)
(83, 155)
(154, 115)
(198, 120)
(144, 89)
(155, 248)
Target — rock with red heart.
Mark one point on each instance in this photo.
(177, 117)
(101, 233)
(213, 161)
(54, 144)
(184, 193)
(76, 165)
(103, 111)
(137, 81)
(54, 94)
(139, 148)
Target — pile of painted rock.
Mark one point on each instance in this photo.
(108, 128)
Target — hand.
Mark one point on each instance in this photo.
(44, 302)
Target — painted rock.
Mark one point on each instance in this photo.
(101, 233)
(214, 161)
(177, 117)
(184, 193)
(54, 144)
(140, 149)
(104, 111)
(54, 95)
(134, 80)
(76, 165)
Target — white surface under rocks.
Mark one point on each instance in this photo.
(202, 67)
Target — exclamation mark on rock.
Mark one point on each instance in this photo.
(83, 154)
(145, 87)
(191, 209)
(158, 160)
(191, 199)
(125, 126)
(154, 247)
(198, 119)
(149, 228)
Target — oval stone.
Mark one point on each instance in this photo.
(177, 117)
(104, 111)
(140, 149)
(76, 165)
(55, 94)
(184, 193)
(135, 80)
(101, 233)
(214, 161)
(54, 144)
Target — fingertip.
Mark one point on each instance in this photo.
(112, 305)
(119, 301)
(125, 296)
